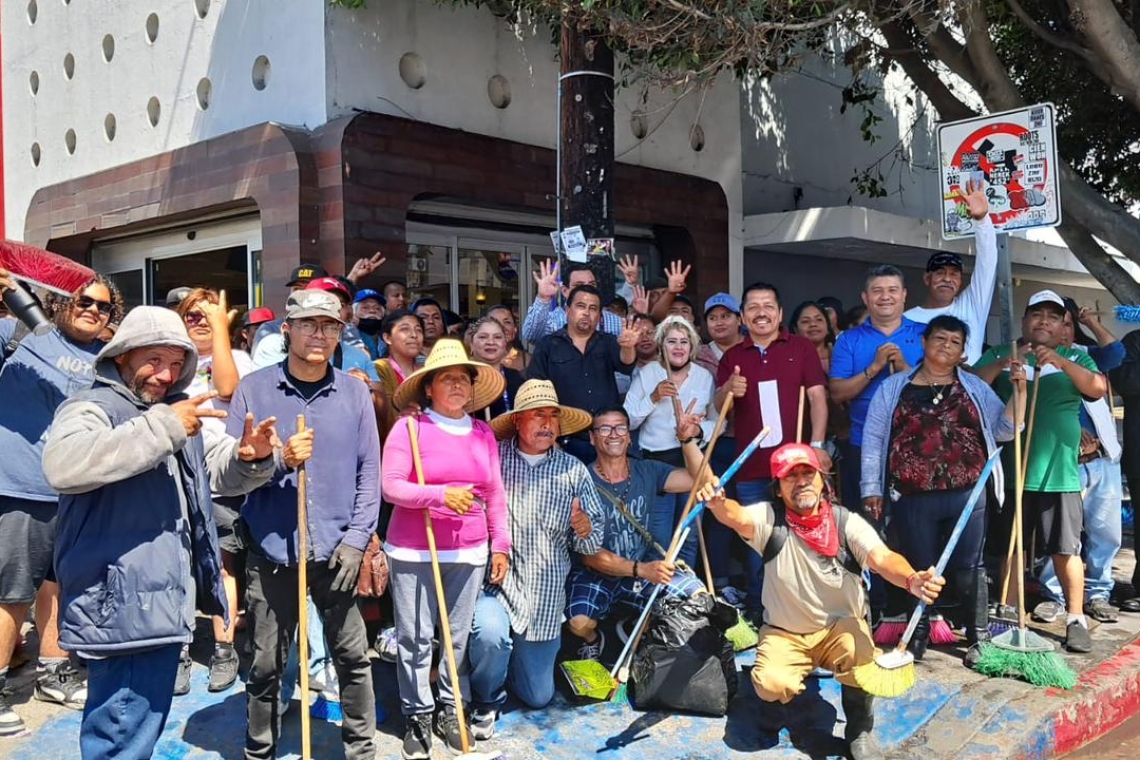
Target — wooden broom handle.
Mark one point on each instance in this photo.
(303, 601)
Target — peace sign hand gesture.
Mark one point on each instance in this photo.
(546, 278)
(364, 267)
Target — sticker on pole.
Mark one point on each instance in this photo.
(1014, 154)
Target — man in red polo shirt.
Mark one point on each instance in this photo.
(765, 373)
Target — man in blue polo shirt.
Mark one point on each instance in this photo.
(866, 355)
(341, 453)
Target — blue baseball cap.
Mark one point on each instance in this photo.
(724, 300)
(365, 293)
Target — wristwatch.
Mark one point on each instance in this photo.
(817, 444)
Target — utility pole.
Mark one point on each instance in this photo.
(586, 141)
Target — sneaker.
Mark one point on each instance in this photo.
(1048, 612)
(62, 684)
(182, 681)
(386, 645)
(417, 737)
(592, 650)
(447, 728)
(11, 724)
(973, 656)
(1077, 638)
(483, 724)
(223, 668)
(1101, 611)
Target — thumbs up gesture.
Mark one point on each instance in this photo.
(579, 520)
(737, 384)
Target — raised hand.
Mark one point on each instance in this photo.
(629, 334)
(579, 520)
(6, 282)
(459, 498)
(689, 426)
(546, 278)
(191, 413)
(640, 303)
(629, 269)
(677, 277)
(258, 441)
(364, 267)
(298, 450)
(1087, 317)
(218, 314)
(977, 205)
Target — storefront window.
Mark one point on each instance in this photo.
(488, 276)
(429, 273)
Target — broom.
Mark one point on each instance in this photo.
(444, 622)
(892, 674)
(303, 602)
(891, 629)
(44, 269)
(1021, 652)
(621, 667)
(1000, 622)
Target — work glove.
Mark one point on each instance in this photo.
(349, 559)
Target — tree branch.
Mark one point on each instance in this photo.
(1045, 35)
(1114, 43)
(1100, 264)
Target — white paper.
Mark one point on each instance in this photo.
(574, 244)
(769, 391)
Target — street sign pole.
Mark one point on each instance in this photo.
(1005, 289)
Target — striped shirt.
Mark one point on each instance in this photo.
(539, 505)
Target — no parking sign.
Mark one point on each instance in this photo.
(1015, 155)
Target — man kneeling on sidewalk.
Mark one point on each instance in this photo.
(815, 605)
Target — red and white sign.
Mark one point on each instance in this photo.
(1014, 154)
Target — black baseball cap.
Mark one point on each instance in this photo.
(175, 296)
(305, 272)
(943, 259)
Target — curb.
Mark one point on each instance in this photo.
(1109, 694)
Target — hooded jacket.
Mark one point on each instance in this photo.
(136, 534)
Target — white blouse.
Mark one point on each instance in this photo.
(657, 423)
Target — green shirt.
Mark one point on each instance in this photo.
(1057, 426)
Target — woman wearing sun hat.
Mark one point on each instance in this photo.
(463, 488)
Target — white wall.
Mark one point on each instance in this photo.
(795, 136)
(462, 48)
(222, 47)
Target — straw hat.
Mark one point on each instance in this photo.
(448, 352)
(540, 394)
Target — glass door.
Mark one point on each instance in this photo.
(489, 274)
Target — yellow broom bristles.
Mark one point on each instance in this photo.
(891, 675)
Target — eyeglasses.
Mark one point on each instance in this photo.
(83, 303)
(607, 430)
(194, 318)
(308, 328)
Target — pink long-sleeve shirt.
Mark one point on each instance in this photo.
(448, 460)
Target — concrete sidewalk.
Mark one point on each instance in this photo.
(951, 713)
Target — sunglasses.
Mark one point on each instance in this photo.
(194, 318)
(83, 303)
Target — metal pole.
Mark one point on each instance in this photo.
(1005, 289)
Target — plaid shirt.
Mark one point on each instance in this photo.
(539, 502)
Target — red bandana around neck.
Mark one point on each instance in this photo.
(818, 531)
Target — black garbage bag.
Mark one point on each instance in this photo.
(684, 661)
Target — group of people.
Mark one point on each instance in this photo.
(155, 476)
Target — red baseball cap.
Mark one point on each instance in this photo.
(258, 316)
(792, 455)
(330, 285)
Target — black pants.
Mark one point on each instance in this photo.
(271, 599)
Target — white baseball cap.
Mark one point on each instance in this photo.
(1045, 296)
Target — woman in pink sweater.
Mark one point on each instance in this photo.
(463, 488)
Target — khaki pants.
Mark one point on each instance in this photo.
(785, 659)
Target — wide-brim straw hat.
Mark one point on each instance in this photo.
(448, 352)
(540, 394)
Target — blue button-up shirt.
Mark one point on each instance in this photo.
(342, 477)
(855, 351)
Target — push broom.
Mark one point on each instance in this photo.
(444, 621)
(621, 667)
(41, 268)
(303, 602)
(892, 674)
(1021, 652)
(999, 623)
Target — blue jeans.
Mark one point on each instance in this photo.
(499, 657)
(751, 492)
(128, 699)
(1100, 482)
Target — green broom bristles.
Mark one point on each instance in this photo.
(742, 635)
(1038, 668)
(620, 695)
